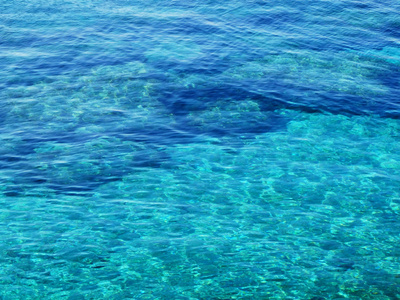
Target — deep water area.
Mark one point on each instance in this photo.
(199, 149)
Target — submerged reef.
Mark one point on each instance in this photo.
(112, 111)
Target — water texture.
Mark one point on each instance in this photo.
(199, 150)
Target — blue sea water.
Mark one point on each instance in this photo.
(200, 149)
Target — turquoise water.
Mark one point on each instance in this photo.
(199, 150)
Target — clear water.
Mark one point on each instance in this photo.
(200, 149)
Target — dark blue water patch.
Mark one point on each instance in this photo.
(341, 264)
(275, 94)
(190, 26)
(77, 49)
(16, 40)
(31, 140)
(119, 57)
(80, 187)
(14, 190)
(390, 105)
(37, 70)
(4, 109)
(160, 77)
(76, 173)
(158, 137)
(210, 65)
(151, 136)
(392, 28)
(306, 29)
(182, 101)
(387, 59)
(32, 179)
(277, 19)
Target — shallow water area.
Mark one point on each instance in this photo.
(170, 150)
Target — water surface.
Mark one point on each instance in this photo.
(202, 150)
